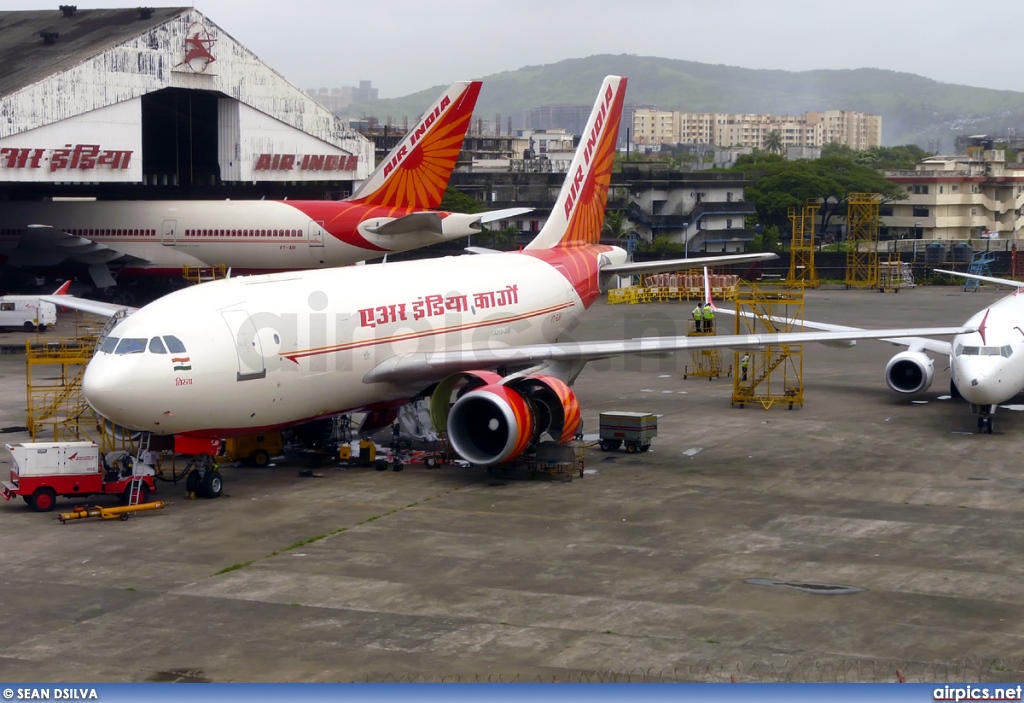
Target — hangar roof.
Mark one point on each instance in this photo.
(27, 59)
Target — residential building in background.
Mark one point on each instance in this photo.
(857, 130)
(973, 196)
(337, 99)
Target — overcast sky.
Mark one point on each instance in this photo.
(404, 46)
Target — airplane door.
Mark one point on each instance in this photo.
(316, 233)
(247, 345)
(169, 232)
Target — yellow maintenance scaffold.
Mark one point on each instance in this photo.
(774, 373)
(862, 212)
(801, 247)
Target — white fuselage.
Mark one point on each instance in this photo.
(987, 366)
(277, 349)
(247, 235)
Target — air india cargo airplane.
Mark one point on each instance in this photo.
(392, 211)
(236, 356)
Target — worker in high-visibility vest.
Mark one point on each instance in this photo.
(708, 316)
(744, 363)
(698, 317)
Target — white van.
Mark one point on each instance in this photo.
(28, 311)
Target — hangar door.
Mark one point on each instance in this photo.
(179, 137)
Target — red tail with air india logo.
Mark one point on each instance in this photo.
(570, 239)
(416, 172)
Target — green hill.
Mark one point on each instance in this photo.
(914, 109)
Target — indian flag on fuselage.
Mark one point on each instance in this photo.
(182, 363)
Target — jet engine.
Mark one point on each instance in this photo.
(910, 372)
(499, 421)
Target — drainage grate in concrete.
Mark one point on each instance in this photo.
(822, 589)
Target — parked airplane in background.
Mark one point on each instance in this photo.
(986, 361)
(392, 211)
(237, 356)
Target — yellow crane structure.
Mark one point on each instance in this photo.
(801, 248)
(773, 373)
(862, 240)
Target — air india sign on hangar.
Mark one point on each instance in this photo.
(76, 83)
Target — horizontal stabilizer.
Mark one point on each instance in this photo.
(506, 214)
(413, 223)
(482, 250)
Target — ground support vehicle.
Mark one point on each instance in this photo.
(635, 430)
(44, 470)
(254, 450)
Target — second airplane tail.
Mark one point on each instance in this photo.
(578, 215)
(415, 174)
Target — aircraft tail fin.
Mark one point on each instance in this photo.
(578, 215)
(416, 172)
(63, 290)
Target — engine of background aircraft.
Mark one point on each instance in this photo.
(910, 372)
(497, 422)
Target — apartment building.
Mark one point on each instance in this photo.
(814, 129)
(976, 196)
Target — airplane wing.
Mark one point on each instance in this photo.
(988, 279)
(95, 307)
(664, 265)
(48, 246)
(914, 341)
(406, 368)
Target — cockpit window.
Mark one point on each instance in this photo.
(174, 344)
(109, 344)
(983, 351)
(131, 346)
(156, 346)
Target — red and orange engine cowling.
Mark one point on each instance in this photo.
(496, 419)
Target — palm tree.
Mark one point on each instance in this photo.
(773, 142)
(616, 225)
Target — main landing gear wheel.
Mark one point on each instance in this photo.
(212, 484)
(985, 424)
(192, 482)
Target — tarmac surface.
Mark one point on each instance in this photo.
(637, 571)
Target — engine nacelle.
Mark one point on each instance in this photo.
(498, 421)
(490, 424)
(910, 372)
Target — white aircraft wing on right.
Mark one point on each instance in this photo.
(913, 338)
(424, 366)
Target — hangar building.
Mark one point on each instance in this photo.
(158, 103)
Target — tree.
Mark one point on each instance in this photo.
(457, 201)
(773, 142)
(788, 184)
(617, 225)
